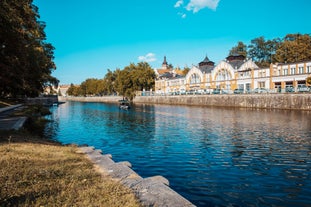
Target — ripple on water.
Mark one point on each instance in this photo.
(213, 157)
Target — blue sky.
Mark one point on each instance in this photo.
(95, 35)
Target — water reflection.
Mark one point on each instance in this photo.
(212, 156)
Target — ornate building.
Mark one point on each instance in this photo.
(235, 72)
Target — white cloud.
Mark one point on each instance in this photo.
(183, 15)
(196, 5)
(150, 57)
(179, 3)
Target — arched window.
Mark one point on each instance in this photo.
(195, 78)
(223, 75)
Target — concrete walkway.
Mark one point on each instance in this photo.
(11, 123)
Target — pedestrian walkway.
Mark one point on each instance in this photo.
(8, 122)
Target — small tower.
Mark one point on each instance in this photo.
(164, 64)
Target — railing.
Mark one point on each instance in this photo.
(223, 91)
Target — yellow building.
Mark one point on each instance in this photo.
(235, 72)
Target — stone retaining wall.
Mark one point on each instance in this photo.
(262, 101)
(47, 101)
(104, 99)
(152, 191)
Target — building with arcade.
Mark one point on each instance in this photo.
(235, 72)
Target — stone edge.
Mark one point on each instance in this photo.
(151, 191)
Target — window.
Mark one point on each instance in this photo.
(248, 86)
(261, 84)
(285, 71)
(223, 75)
(292, 71)
(195, 78)
(300, 70)
(308, 69)
(262, 73)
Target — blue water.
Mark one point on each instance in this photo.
(211, 156)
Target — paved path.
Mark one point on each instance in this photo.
(7, 122)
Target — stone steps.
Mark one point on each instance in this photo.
(152, 191)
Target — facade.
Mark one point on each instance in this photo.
(169, 79)
(235, 72)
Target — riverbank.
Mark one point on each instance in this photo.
(64, 165)
(254, 101)
(37, 174)
(36, 171)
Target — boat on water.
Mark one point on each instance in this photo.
(124, 104)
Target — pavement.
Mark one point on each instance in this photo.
(8, 122)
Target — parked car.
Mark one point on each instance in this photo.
(200, 92)
(303, 89)
(238, 91)
(290, 89)
(216, 91)
(260, 90)
(226, 91)
(182, 92)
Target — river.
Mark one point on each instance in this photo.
(211, 156)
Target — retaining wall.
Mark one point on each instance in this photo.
(262, 101)
(105, 99)
(152, 191)
(47, 101)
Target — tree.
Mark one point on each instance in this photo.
(262, 51)
(124, 83)
(73, 90)
(294, 48)
(26, 60)
(109, 82)
(134, 78)
(185, 70)
(240, 49)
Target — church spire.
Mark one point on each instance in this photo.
(164, 64)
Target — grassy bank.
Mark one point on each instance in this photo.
(34, 174)
(36, 171)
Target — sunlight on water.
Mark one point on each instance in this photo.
(212, 156)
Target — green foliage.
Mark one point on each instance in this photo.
(240, 49)
(123, 82)
(135, 78)
(262, 51)
(292, 48)
(26, 60)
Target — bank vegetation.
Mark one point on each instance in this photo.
(34, 174)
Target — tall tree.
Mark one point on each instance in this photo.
(26, 60)
(110, 82)
(124, 83)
